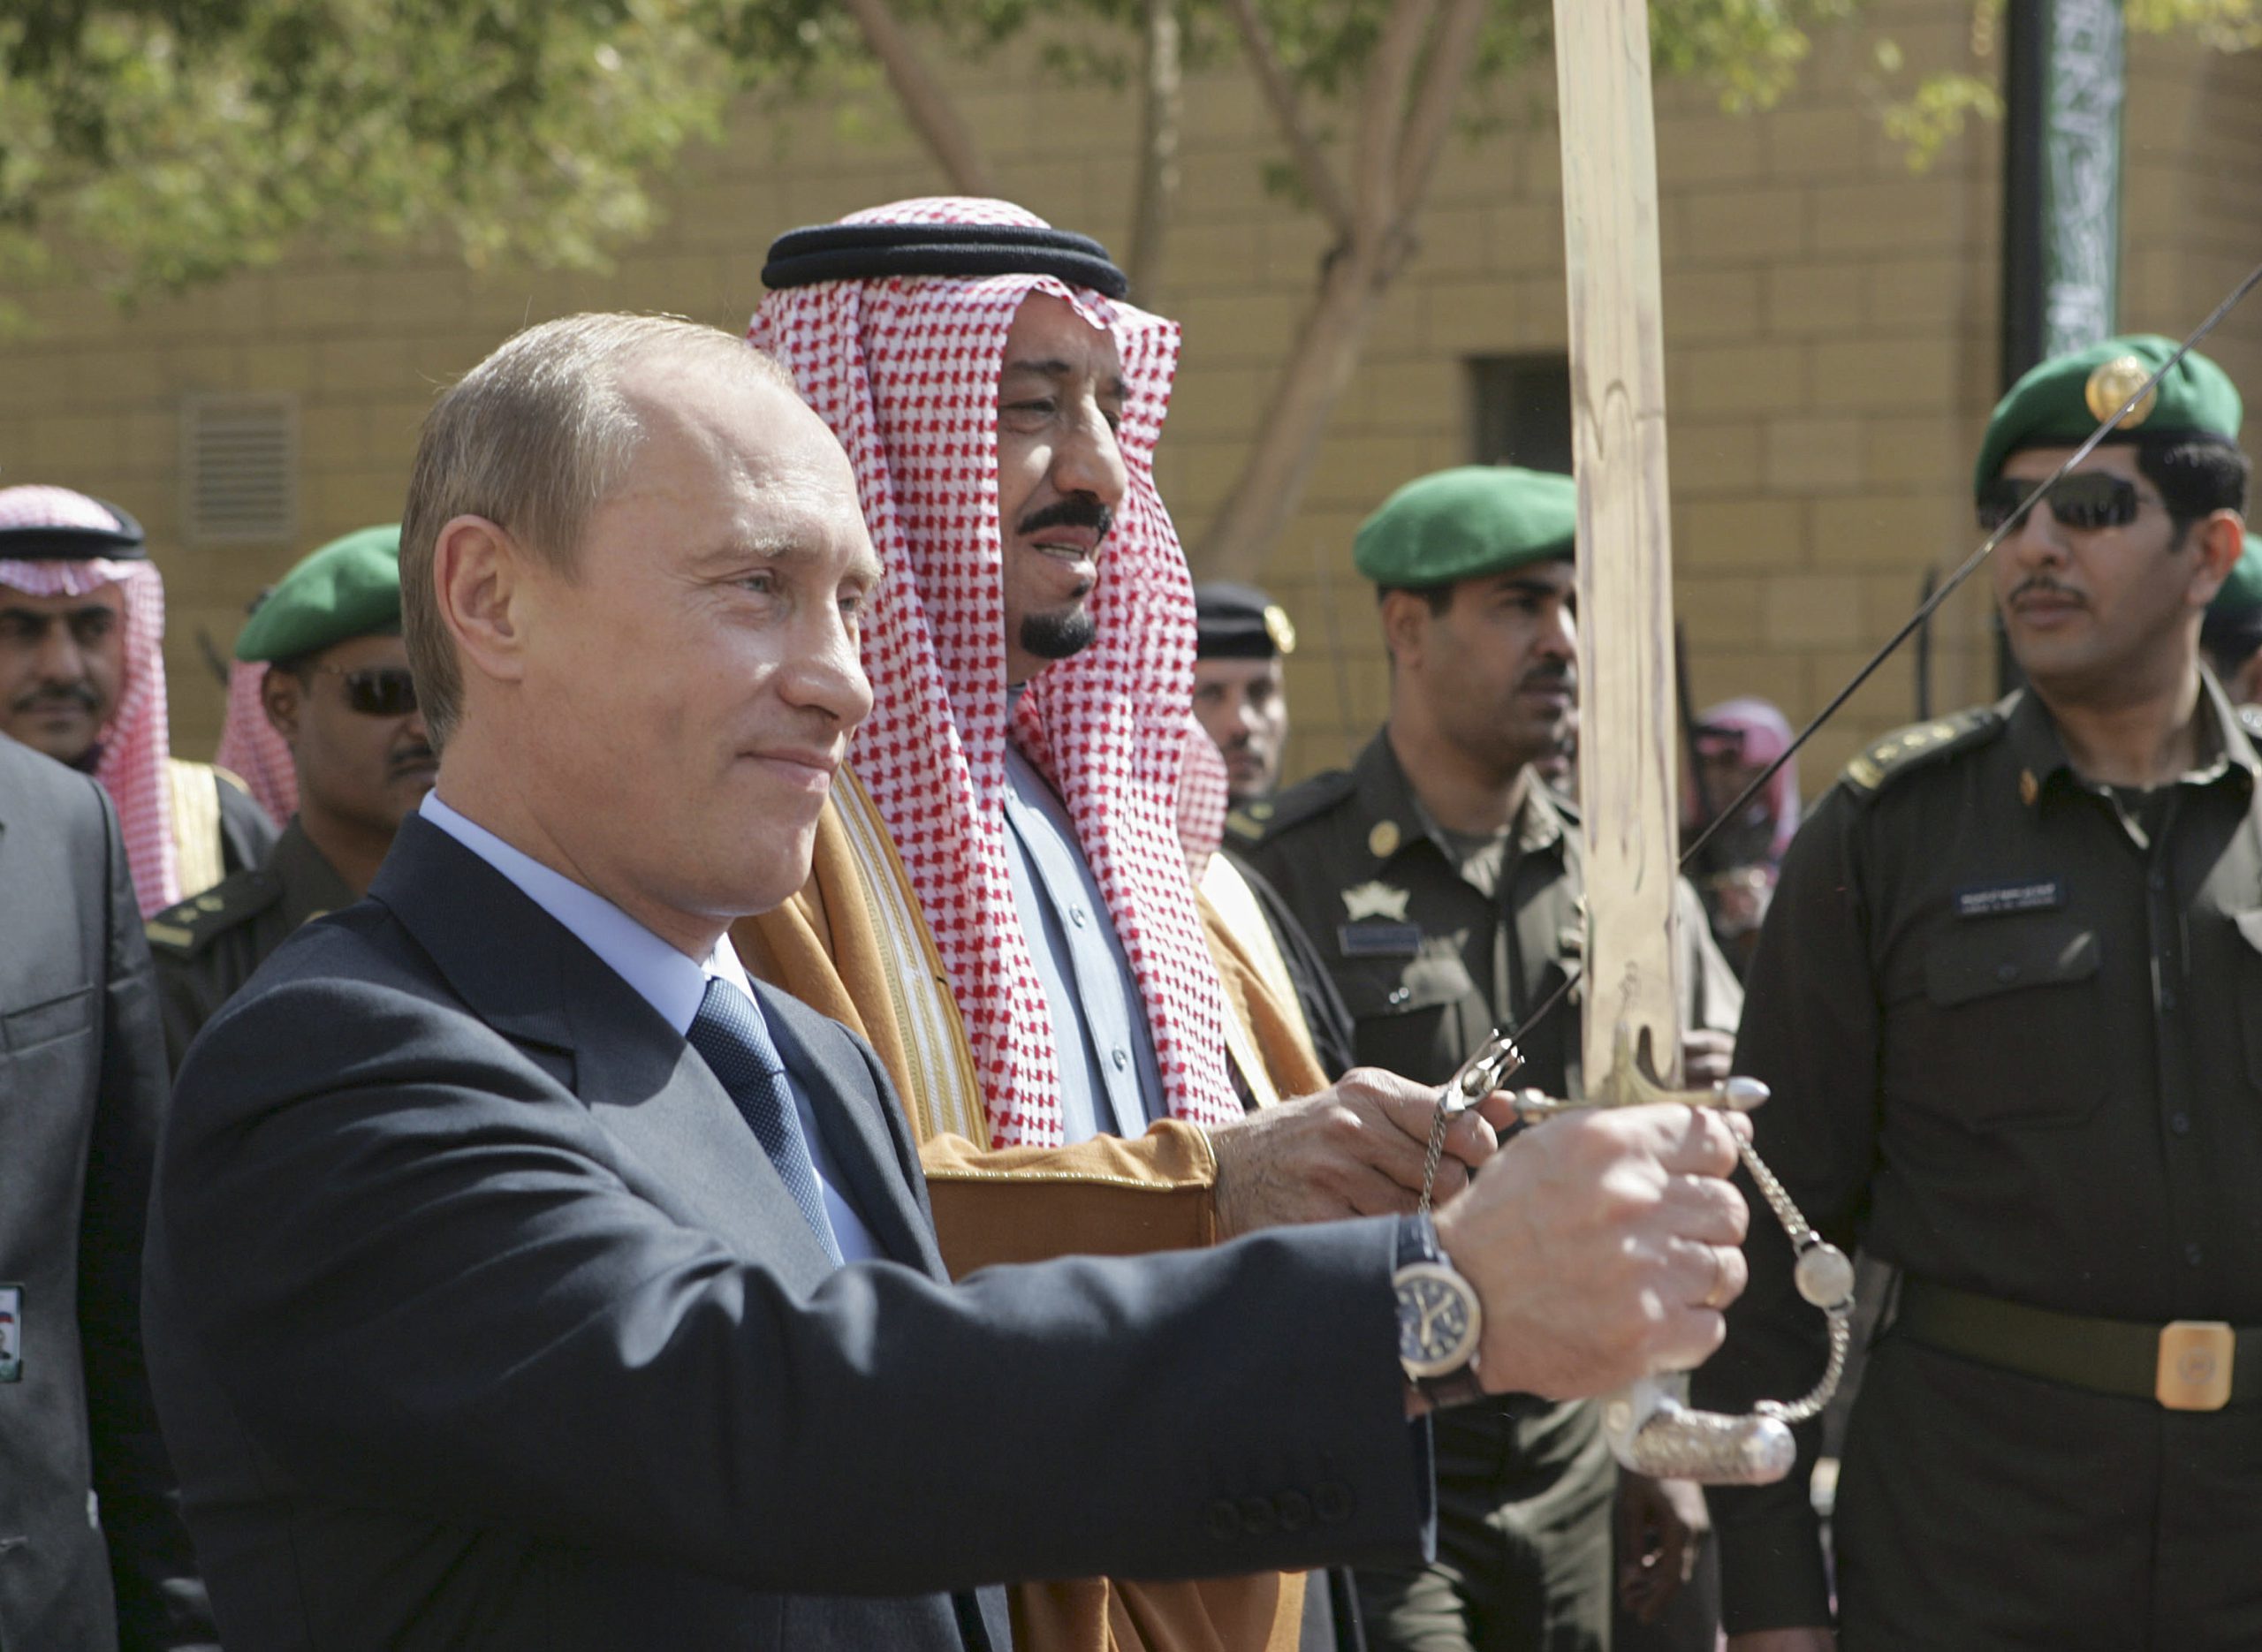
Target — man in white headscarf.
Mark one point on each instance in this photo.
(82, 679)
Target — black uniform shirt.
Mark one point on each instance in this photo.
(208, 946)
(2013, 1024)
(1429, 962)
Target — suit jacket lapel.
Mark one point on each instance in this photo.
(850, 1115)
(531, 979)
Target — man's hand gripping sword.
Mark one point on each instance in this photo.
(1650, 1427)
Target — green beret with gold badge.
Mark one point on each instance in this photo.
(2060, 403)
(351, 588)
(1459, 524)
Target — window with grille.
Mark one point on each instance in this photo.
(1520, 411)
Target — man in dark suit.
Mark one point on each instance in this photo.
(82, 1080)
(522, 1277)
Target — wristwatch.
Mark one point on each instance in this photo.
(1439, 1319)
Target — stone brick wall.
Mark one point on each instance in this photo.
(1830, 321)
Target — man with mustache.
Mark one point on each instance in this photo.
(2009, 1001)
(1242, 639)
(339, 694)
(1441, 883)
(82, 679)
(1001, 899)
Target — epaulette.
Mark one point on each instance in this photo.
(186, 929)
(1271, 816)
(1904, 751)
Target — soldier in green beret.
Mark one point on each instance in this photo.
(339, 692)
(1441, 884)
(2231, 634)
(2008, 1000)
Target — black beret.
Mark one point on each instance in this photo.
(1240, 622)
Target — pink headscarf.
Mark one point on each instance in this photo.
(905, 371)
(251, 750)
(135, 742)
(1766, 736)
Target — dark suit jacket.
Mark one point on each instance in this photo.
(82, 1081)
(480, 1319)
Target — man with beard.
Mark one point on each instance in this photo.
(82, 679)
(2009, 1001)
(338, 693)
(1442, 885)
(1001, 899)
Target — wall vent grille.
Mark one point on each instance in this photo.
(240, 470)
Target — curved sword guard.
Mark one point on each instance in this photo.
(1651, 1427)
(1652, 1432)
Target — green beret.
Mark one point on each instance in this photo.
(1458, 524)
(2242, 592)
(2061, 402)
(351, 588)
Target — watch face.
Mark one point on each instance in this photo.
(1437, 1320)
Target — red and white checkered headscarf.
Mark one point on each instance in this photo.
(1204, 798)
(905, 370)
(251, 750)
(135, 742)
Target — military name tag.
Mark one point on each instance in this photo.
(11, 1333)
(1378, 940)
(1995, 900)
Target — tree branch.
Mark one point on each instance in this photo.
(1161, 103)
(1382, 110)
(1318, 176)
(1451, 55)
(932, 114)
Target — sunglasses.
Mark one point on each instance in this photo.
(2087, 499)
(379, 691)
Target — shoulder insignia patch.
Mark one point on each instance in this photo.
(1247, 823)
(187, 929)
(1907, 750)
(1299, 803)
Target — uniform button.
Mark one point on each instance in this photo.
(1121, 1057)
(2167, 998)
(1402, 994)
(1222, 1519)
(2007, 972)
(1295, 1510)
(2159, 880)
(1256, 1516)
(2180, 1123)
(1330, 1500)
(2192, 1254)
(1076, 916)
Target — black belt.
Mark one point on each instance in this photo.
(2188, 1365)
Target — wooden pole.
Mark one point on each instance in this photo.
(1627, 774)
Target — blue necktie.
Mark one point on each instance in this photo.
(728, 1032)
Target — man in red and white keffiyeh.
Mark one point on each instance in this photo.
(1030, 651)
(82, 679)
(1001, 406)
(907, 372)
